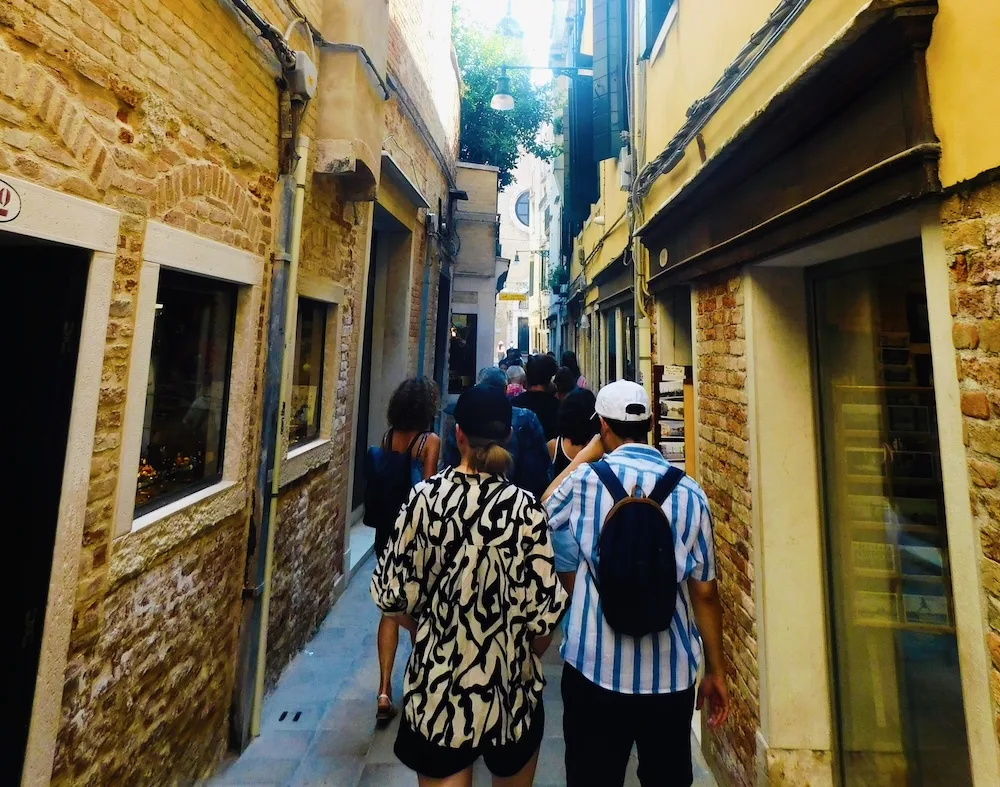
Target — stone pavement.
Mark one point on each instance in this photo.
(319, 722)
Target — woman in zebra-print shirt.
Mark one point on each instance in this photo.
(471, 569)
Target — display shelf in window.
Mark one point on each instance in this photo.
(671, 394)
(891, 497)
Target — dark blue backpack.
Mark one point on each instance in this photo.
(389, 477)
(636, 567)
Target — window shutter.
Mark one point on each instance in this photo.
(583, 175)
(610, 73)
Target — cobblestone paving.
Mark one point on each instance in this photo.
(318, 725)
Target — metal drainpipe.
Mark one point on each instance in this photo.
(425, 296)
(273, 484)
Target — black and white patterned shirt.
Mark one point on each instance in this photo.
(472, 678)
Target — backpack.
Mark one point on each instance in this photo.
(637, 571)
(388, 481)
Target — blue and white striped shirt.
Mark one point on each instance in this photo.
(658, 663)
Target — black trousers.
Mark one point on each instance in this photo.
(601, 726)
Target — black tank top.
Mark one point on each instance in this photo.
(561, 461)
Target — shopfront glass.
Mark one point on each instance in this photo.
(898, 698)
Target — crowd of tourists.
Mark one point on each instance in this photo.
(543, 506)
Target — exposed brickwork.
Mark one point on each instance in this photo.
(971, 224)
(159, 677)
(724, 471)
(168, 110)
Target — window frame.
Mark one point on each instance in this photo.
(175, 249)
(140, 511)
(306, 456)
(317, 431)
(651, 46)
(525, 195)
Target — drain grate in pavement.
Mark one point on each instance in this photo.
(284, 715)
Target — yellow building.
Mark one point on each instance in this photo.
(798, 204)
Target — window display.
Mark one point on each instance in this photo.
(188, 390)
(307, 372)
(899, 700)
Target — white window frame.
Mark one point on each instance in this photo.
(175, 249)
(306, 457)
(661, 37)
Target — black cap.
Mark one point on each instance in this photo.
(485, 412)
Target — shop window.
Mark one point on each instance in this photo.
(307, 372)
(462, 353)
(898, 693)
(188, 388)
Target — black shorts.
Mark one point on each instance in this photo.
(440, 762)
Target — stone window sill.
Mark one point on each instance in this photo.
(304, 458)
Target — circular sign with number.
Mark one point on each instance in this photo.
(10, 202)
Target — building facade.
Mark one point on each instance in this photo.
(786, 228)
(478, 268)
(238, 267)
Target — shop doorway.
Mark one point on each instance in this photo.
(385, 347)
(899, 709)
(364, 385)
(47, 361)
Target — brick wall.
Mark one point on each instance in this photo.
(724, 472)
(156, 686)
(971, 223)
(167, 110)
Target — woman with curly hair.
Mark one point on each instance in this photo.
(408, 454)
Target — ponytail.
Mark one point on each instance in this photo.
(488, 457)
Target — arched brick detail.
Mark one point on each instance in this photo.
(32, 88)
(205, 198)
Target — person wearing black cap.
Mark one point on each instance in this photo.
(471, 571)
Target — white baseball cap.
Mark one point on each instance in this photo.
(623, 401)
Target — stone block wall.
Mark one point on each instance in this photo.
(723, 455)
(971, 225)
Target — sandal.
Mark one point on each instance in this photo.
(386, 711)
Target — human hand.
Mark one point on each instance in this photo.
(592, 451)
(713, 691)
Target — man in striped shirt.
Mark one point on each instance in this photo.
(620, 691)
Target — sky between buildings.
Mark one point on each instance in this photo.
(535, 18)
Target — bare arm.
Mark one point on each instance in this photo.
(568, 581)
(432, 453)
(591, 452)
(552, 450)
(708, 616)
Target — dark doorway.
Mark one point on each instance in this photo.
(523, 337)
(49, 363)
(364, 391)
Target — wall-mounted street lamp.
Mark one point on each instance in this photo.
(503, 101)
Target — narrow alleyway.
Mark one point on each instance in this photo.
(318, 725)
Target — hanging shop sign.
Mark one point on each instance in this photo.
(513, 296)
(10, 202)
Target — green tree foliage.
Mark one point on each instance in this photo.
(489, 136)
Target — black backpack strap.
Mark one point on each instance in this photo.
(609, 479)
(666, 485)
